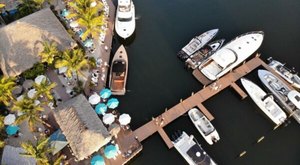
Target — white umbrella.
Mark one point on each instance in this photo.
(20, 98)
(31, 93)
(94, 99)
(124, 119)
(9, 119)
(73, 24)
(108, 118)
(37, 102)
(93, 4)
(62, 69)
(39, 79)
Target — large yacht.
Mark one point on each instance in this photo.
(199, 57)
(204, 126)
(118, 72)
(125, 18)
(288, 74)
(232, 54)
(281, 92)
(191, 150)
(196, 43)
(264, 101)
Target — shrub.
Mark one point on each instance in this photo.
(37, 69)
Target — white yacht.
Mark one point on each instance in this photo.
(125, 18)
(196, 43)
(265, 102)
(286, 73)
(191, 150)
(204, 126)
(232, 54)
(199, 57)
(284, 95)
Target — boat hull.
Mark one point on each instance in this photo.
(196, 43)
(281, 92)
(266, 104)
(118, 84)
(199, 57)
(231, 55)
(285, 73)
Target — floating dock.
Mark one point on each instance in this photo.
(196, 100)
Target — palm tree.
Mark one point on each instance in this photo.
(91, 22)
(2, 143)
(74, 60)
(30, 111)
(44, 89)
(39, 151)
(87, 17)
(49, 53)
(2, 5)
(7, 85)
(26, 7)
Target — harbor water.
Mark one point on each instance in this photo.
(157, 78)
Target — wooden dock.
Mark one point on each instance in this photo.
(197, 99)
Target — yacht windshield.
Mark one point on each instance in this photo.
(125, 19)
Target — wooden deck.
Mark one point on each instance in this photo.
(197, 99)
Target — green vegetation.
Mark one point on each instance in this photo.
(49, 53)
(39, 152)
(88, 17)
(37, 69)
(7, 85)
(30, 111)
(74, 60)
(44, 89)
(27, 7)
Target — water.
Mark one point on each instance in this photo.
(158, 80)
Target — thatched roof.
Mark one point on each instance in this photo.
(82, 127)
(11, 156)
(21, 41)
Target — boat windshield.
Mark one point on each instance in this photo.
(125, 19)
(124, 8)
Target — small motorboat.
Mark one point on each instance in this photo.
(264, 101)
(204, 126)
(196, 43)
(191, 150)
(288, 74)
(286, 97)
(118, 72)
(199, 57)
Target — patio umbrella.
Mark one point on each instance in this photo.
(39, 79)
(73, 24)
(20, 98)
(65, 13)
(17, 90)
(9, 119)
(108, 118)
(93, 4)
(57, 141)
(88, 43)
(124, 119)
(94, 99)
(62, 69)
(113, 103)
(12, 129)
(31, 93)
(105, 93)
(101, 108)
(97, 160)
(110, 151)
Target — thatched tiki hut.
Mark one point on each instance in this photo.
(82, 127)
(21, 41)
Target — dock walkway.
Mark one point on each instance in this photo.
(197, 99)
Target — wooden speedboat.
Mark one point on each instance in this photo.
(118, 72)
